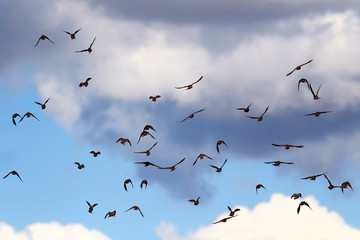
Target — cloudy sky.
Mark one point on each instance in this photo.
(243, 50)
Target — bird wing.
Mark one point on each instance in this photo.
(85, 50)
(67, 33)
(37, 42)
(185, 118)
(224, 163)
(48, 39)
(277, 145)
(197, 80)
(312, 91)
(199, 111)
(180, 162)
(7, 175)
(153, 146)
(309, 114)
(265, 111)
(92, 42)
(306, 62)
(33, 116)
(253, 117)
(18, 176)
(77, 31)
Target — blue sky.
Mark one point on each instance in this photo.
(244, 51)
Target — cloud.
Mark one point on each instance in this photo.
(276, 219)
(53, 230)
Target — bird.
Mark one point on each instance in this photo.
(95, 154)
(146, 164)
(80, 166)
(232, 212)
(223, 220)
(72, 35)
(201, 156)
(258, 187)
(86, 83)
(345, 185)
(172, 168)
(126, 182)
(190, 86)
(192, 115)
(143, 182)
(153, 98)
(259, 119)
(315, 96)
(43, 37)
(287, 146)
(123, 141)
(91, 207)
(331, 186)
(296, 196)
(15, 115)
(147, 152)
(303, 80)
(298, 67)
(245, 109)
(316, 114)
(89, 49)
(27, 115)
(196, 202)
(13, 173)
(219, 143)
(148, 127)
(110, 214)
(43, 105)
(218, 169)
(313, 177)
(135, 208)
(301, 204)
(277, 163)
(143, 134)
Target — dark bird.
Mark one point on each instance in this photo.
(110, 214)
(146, 164)
(126, 182)
(218, 169)
(232, 212)
(91, 207)
(88, 49)
(201, 156)
(15, 115)
(303, 203)
(143, 134)
(143, 182)
(72, 35)
(80, 166)
(149, 127)
(345, 185)
(153, 98)
(303, 80)
(123, 141)
(86, 83)
(287, 146)
(316, 97)
(43, 37)
(277, 163)
(172, 168)
(27, 115)
(313, 177)
(258, 187)
(261, 117)
(316, 114)
(192, 115)
(196, 202)
(190, 86)
(147, 152)
(245, 109)
(298, 67)
(219, 143)
(13, 173)
(95, 154)
(331, 186)
(223, 220)
(296, 196)
(135, 208)
(43, 105)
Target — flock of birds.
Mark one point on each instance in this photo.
(147, 133)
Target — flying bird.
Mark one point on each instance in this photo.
(315, 96)
(192, 115)
(72, 35)
(301, 204)
(91, 207)
(126, 182)
(245, 109)
(143, 134)
(331, 186)
(345, 185)
(190, 86)
(88, 49)
(219, 143)
(15, 115)
(146, 164)
(316, 114)
(172, 168)
(287, 146)
(80, 166)
(296, 196)
(43, 37)
(232, 212)
(258, 187)
(123, 141)
(223, 220)
(261, 117)
(13, 173)
(277, 163)
(147, 152)
(43, 105)
(135, 208)
(153, 98)
(196, 202)
(27, 115)
(95, 154)
(298, 67)
(218, 169)
(303, 80)
(201, 156)
(143, 182)
(110, 214)
(86, 83)
(313, 177)
(149, 127)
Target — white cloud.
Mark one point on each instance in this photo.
(276, 219)
(53, 230)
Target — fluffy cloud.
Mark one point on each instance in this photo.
(276, 219)
(54, 230)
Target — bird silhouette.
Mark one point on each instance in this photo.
(89, 49)
(149, 127)
(43, 37)
(224, 219)
(259, 119)
(91, 207)
(301, 204)
(110, 214)
(86, 83)
(143, 182)
(218, 169)
(232, 212)
(43, 105)
(123, 141)
(196, 202)
(27, 115)
(201, 156)
(303, 80)
(147, 152)
(331, 186)
(172, 168)
(287, 146)
(313, 177)
(345, 185)
(298, 67)
(192, 115)
(80, 166)
(135, 208)
(277, 163)
(218, 144)
(95, 154)
(72, 35)
(316, 114)
(126, 182)
(153, 98)
(258, 187)
(296, 196)
(245, 109)
(13, 173)
(315, 96)
(190, 86)
(143, 134)
(15, 115)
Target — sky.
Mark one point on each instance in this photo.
(243, 50)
